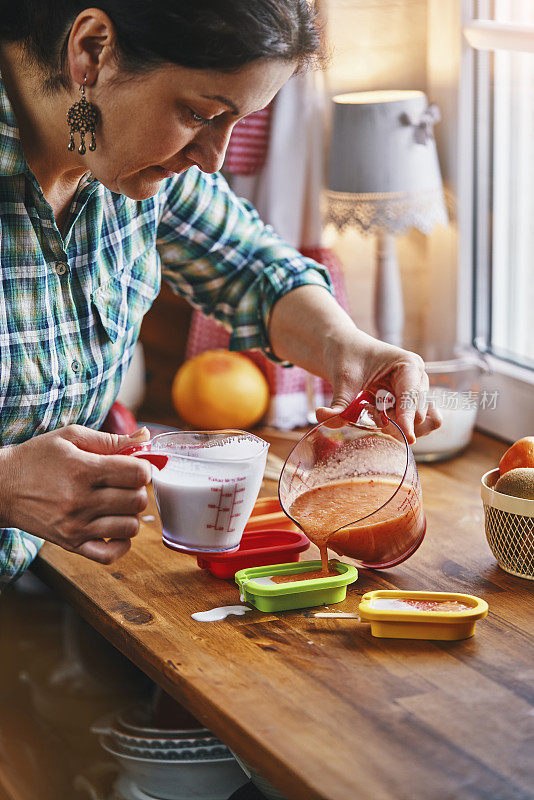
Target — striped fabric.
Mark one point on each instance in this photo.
(71, 308)
(249, 142)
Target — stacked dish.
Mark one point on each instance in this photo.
(178, 764)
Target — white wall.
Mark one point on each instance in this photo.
(377, 44)
(444, 45)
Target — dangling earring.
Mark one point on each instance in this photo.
(82, 117)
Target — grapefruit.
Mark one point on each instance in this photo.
(220, 389)
(520, 454)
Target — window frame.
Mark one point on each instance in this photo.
(514, 416)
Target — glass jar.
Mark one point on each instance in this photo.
(454, 375)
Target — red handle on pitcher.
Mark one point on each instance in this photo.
(136, 450)
(362, 399)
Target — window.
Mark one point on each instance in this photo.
(498, 77)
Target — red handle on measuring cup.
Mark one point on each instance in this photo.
(362, 399)
(136, 450)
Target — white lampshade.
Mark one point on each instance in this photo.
(384, 169)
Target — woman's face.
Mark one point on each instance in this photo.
(171, 118)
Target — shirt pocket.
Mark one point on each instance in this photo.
(123, 300)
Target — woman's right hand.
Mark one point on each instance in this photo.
(69, 487)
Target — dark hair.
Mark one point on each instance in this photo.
(201, 34)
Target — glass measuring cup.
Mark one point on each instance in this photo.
(206, 485)
(355, 488)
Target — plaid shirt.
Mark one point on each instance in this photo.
(71, 308)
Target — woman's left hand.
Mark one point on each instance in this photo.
(368, 363)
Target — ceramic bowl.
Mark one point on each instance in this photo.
(165, 779)
(126, 789)
(173, 754)
(108, 726)
(259, 782)
(159, 744)
(136, 721)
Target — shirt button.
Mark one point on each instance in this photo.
(75, 366)
(61, 268)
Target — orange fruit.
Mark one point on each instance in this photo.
(520, 454)
(220, 389)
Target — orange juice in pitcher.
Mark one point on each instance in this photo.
(355, 489)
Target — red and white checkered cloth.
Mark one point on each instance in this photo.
(294, 392)
(249, 142)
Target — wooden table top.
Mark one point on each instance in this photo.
(321, 708)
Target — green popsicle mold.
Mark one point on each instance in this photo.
(297, 594)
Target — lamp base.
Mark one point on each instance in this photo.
(389, 309)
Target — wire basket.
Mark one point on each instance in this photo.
(509, 523)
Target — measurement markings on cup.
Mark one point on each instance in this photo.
(226, 502)
(298, 476)
(220, 508)
(235, 502)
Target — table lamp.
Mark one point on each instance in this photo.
(385, 179)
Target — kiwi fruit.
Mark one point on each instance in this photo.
(517, 483)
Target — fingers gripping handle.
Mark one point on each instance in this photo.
(139, 451)
(353, 411)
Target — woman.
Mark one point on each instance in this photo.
(89, 210)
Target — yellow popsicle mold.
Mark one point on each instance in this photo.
(417, 624)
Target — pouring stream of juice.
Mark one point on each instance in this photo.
(320, 512)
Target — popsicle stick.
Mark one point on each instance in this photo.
(333, 615)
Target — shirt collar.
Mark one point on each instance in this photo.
(12, 161)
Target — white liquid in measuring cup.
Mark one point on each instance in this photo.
(205, 506)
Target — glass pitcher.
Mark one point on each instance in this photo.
(355, 488)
